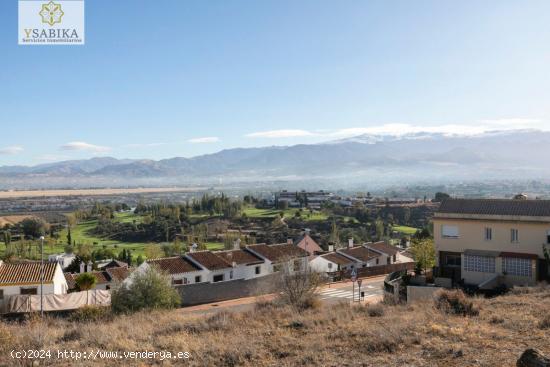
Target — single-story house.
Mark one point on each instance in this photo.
(245, 264)
(276, 255)
(218, 269)
(331, 262)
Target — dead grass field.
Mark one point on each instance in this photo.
(92, 192)
(411, 335)
(12, 219)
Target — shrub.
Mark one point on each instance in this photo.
(455, 302)
(545, 322)
(149, 289)
(297, 287)
(375, 310)
(91, 314)
(85, 281)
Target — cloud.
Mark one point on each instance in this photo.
(11, 150)
(80, 145)
(207, 139)
(284, 133)
(400, 129)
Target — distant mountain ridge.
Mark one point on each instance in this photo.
(423, 155)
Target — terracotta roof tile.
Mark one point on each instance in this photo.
(240, 257)
(337, 258)
(277, 253)
(26, 272)
(174, 265)
(360, 253)
(383, 247)
(209, 260)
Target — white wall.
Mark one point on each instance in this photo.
(321, 264)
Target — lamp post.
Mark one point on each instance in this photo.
(42, 276)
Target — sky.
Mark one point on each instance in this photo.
(159, 79)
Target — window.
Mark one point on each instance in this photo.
(514, 235)
(177, 281)
(548, 236)
(452, 260)
(482, 264)
(185, 281)
(377, 261)
(107, 287)
(394, 258)
(198, 279)
(1, 294)
(515, 266)
(488, 234)
(449, 231)
(29, 290)
(218, 278)
(329, 265)
(258, 270)
(231, 274)
(388, 260)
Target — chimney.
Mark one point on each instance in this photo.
(90, 267)
(289, 241)
(350, 242)
(307, 231)
(82, 267)
(237, 244)
(193, 247)
(330, 248)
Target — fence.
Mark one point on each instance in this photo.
(375, 270)
(56, 302)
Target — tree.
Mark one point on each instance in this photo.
(153, 251)
(297, 286)
(334, 238)
(33, 227)
(85, 281)
(148, 289)
(440, 196)
(424, 254)
(139, 260)
(69, 238)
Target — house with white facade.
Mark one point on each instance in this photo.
(331, 262)
(180, 269)
(218, 269)
(24, 279)
(276, 255)
(64, 259)
(245, 264)
(390, 254)
(362, 256)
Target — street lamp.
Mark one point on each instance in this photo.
(42, 276)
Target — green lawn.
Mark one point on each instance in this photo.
(252, 212)
(405, 230)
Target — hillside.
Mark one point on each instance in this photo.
(413, 157)
(417, 335)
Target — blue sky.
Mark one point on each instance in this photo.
(158, 79)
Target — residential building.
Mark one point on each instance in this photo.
(64, 259)
(180, 269)
(245, 264)
(362, 256)
(390, 253)
(105, 279)
(490, 242)
(308, 244)
(277, 255)
(331, 262)
(218, 270)
(25, 277)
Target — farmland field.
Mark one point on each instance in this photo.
(405, 230)
(252, 212)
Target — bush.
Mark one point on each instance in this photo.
(375, 310)
(545, 322)
(91, 314)
(297, 287)
(455, 302)
(149, 289)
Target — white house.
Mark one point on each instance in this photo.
(331, 262)
(276, 255)
(217, 269)
(362, 256)
(24, 278)
(390, 254)
(64, 260)
(179, 268)
(245, 264)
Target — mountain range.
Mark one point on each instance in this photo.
(411, 157)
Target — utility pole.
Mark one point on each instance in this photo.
(42, 276)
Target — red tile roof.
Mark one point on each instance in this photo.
(278, 253)
(308, 244)
(118, 274)
(208, 260)
(26, 272)
(360, 253)
(383, 247)
(174, 265)
(337, 258)
(511, 207)
(240, 257)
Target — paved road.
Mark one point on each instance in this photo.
(329, 294)
(372, 289)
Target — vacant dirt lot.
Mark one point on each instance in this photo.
(12, 219)
(92, 192)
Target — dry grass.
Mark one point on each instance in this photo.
(13, 219)
(275, 335)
